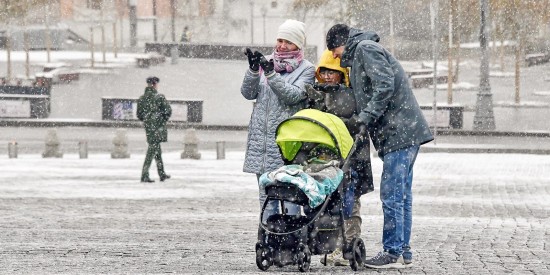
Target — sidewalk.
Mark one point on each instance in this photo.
(31, 139)
(473, 214)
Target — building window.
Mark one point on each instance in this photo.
(206, 7)
(94, 4)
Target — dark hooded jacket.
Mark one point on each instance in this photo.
(153, 109)
(385, 101)
(341, 103)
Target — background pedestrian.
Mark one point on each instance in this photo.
(154, 110)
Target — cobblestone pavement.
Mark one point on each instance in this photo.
(473, 214)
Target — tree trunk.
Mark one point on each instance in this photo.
(450, 56)
(517, 69)
(502, 48)
(457, 41)
(8, 52)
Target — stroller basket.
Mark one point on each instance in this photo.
(287, 192)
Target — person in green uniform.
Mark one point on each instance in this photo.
(153, 109)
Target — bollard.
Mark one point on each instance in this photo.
(190, 145)
(220, 150)
(120, 142)
(174, 54)
(12, 150)
(83, 149)
(52, 145)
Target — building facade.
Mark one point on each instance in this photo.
(207, 21)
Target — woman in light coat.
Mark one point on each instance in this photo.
(277, 83)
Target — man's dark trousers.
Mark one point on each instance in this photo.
(153, 151)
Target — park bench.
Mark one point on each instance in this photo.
(59, 73)
(448, 116)
(536, 59)
(150, 59)
(24, 101)
(425, 80)
(125, 108)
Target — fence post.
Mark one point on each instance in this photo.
(120, 142)
(52, 145)
(83, 149)
(220, 150)
(174, 54)
(190, 145)
(12, 150)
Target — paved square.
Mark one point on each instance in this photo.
(473, 214)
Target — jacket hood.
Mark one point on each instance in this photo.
(329, 62)
(355, 37)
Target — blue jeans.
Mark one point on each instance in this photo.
(396, 197)
(272, 206)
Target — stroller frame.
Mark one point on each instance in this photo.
(278, 245)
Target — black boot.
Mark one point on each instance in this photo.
(164, 177)
(147, 180)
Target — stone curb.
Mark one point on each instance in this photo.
(199, 126)
(480, 150)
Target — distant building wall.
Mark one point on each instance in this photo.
(209, 21)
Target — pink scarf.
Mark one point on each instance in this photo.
(287, 61)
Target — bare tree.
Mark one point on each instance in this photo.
(303, 7)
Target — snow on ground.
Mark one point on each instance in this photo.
(522, 104)
(542, 93)
(460, 86)
(99, 176)
(61, 56)
(501, 74)
(473, 214)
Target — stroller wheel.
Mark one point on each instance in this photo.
(358, 253)
(303, 258)
(263, 257)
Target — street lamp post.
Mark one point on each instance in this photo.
(251, 22)
(435, 52)
(484, 118)
(133, 22)
(155, 20)
(173, 19)
(264, 13)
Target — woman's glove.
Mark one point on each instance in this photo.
(253, 59)
(267, 65)
(313, 94)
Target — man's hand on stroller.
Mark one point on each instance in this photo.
(355, 124)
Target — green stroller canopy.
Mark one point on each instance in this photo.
(310, 125)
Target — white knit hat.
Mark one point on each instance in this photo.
(293, 31)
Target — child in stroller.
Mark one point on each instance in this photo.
(310, 192)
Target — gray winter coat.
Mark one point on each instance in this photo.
(385, 101)
(277, 98)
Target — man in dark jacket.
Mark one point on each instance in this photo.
(387, 106)
(153, 109)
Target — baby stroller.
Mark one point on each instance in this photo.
(286, 238)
